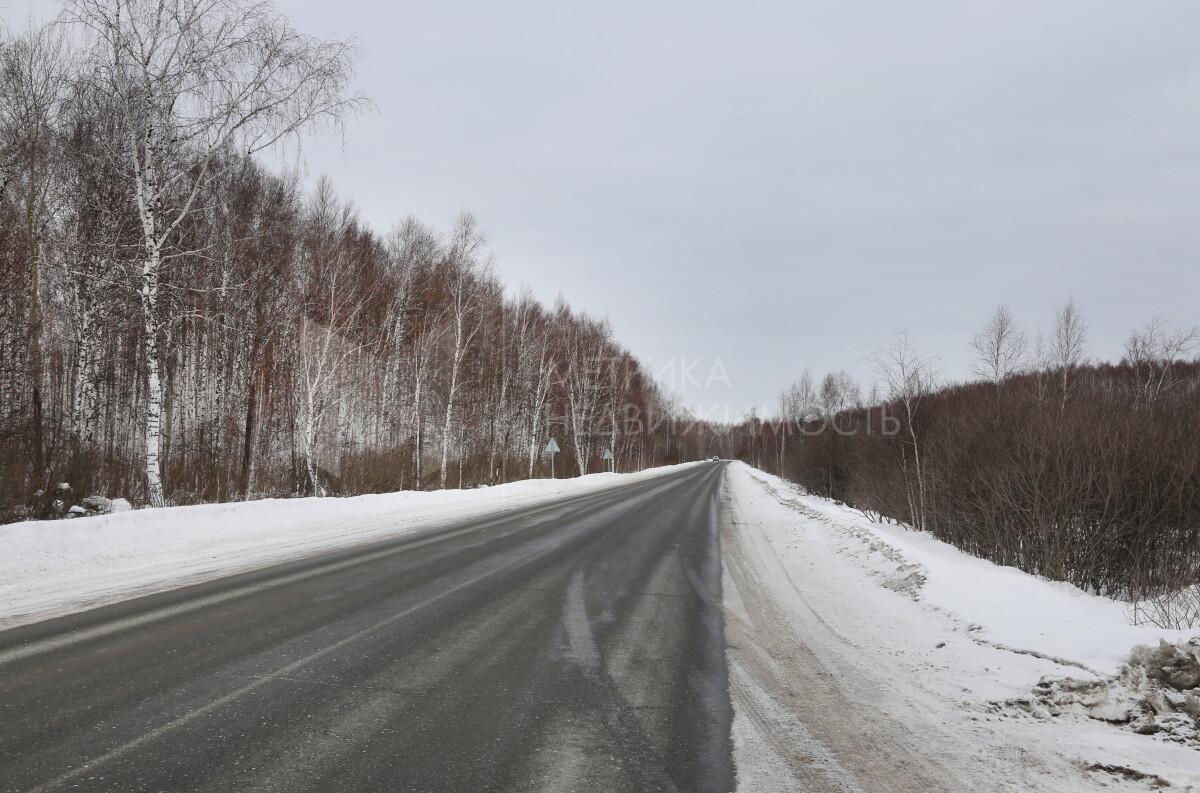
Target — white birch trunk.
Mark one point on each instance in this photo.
(447, 426)
(154, 394)
(148, 196)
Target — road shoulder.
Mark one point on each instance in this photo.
(842, 679)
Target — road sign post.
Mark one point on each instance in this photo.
(608, 457)
(552, 449)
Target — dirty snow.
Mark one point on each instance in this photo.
(49, 568)
(868, 657)
(1156, 693)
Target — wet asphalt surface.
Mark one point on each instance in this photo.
(575, 646)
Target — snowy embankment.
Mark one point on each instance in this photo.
(1008, 607)
(869, 657)
(49, 568)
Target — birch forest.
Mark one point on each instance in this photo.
(180, 323)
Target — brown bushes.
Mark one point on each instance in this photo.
(1101, 489)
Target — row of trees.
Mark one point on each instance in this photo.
(1078, 471)
(179, 324)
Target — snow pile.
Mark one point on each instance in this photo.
(48, 568)
(1174, 665)
(1156, 693)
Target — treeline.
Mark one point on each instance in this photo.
(1077, 471)
(179, 324)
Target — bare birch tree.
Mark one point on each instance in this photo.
(536, 365)
(324, 350)
(838, 392)
(908, 378)
(328, 341)
(586, 353)
(467, 284)
(1067, 347)
(426, 335)
(1154, 352)
(999, 349)
(797, 404)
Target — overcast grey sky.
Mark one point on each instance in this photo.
(782, 185)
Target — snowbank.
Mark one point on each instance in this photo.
(1009, 607)
(48, 568)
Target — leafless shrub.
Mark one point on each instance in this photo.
(1173, 610)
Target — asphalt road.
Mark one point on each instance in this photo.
(575, 646)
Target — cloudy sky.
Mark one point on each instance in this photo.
(759, 187)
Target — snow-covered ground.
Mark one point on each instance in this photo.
(866, 657)
(49, 568)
